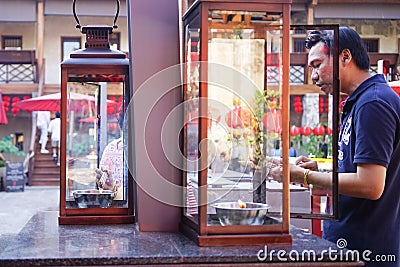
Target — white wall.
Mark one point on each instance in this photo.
(64, 26)
(18, 10)
(26, 29)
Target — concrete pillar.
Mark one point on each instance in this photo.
(154, 47)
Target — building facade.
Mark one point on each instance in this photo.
(37, 35)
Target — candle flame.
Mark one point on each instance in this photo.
(242, 205)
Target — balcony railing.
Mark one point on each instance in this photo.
(18, 66)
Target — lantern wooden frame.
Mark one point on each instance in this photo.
(199, 230)
(96, 63)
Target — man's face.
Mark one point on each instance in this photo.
(321, 66)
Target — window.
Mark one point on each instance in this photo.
(372, 45)
(115, 40)
(11, 42)
(300, 31)
(298, 45)
(69, 45)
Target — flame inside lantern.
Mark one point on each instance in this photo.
(242, 205)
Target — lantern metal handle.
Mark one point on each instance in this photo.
(78, 25)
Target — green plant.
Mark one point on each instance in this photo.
(79, 149)
(8, 149)
(314, 143)
(261, 141)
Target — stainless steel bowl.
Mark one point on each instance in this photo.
(229, 213)
(93, 198)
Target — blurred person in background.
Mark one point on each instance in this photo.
(55, 130)
(42, 123)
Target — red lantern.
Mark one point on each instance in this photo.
(306, 130)
(272, 121)
(328, 131)
(294, 130)
(321, 104)
(15, 111)
(327, 104)
(238, 118)
(298, 108)
(319, 130)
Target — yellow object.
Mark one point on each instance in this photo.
(322, 160)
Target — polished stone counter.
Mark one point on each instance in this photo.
(42, 242)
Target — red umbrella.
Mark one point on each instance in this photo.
(52, 102)
(3, 115)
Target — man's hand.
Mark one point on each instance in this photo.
(274, 168)
(306, 163)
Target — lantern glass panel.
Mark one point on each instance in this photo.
(95, 140)
(244, 116)
(192, 122)
(314, 123)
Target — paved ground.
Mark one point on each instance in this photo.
(16, 208)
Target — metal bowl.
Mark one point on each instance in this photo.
(229, 213)
(93, 198)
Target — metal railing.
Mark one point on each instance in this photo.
(18, 66)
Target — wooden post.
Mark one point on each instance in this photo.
(40, 42)
(154, 28)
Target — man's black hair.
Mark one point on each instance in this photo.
(315, 37)
(348, 39)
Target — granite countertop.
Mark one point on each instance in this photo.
(42, 242)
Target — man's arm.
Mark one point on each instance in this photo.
(368, 182)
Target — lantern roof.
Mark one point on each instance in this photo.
(97, 45)
(97, 48)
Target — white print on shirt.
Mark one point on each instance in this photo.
(346, 132)
(344, 137)
(340, 155)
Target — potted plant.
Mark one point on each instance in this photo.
(10, 153)
(9, 150)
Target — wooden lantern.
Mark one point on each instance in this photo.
(228, 47)
(237, 107)
(95, 93)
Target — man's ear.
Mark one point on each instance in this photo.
(345, 56)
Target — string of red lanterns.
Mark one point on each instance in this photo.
(307, 130)
(297, 105)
